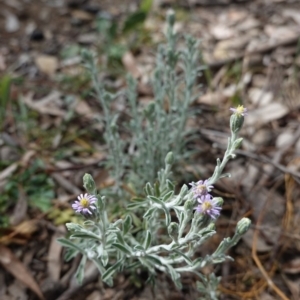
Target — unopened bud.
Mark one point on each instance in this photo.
(89, 184)
(218, 201)
(171, 17)
(173, 231)
(169, 158)
(236, 122)
(242, 226)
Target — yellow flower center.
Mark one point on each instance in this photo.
(240, 109)
(206, 206)
(201, 188)
(84, 202)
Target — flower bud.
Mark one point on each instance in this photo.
(218, 201)
(236, 122)
(242, 226)
(173, 231)
(237, 119)
(171, 17)
(89, 184)
(169, 160)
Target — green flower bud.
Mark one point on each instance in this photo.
(89, 184)
(236, 122)
(237, 119)
(169, 160)
(173, 230)
(171, 17)
(218, 201)
(242, 226)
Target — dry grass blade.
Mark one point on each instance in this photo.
(14, 266)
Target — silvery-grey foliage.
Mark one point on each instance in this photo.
(160, 126)
(117, 245)
(161, 230)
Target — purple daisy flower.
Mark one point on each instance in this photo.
(201, 188)
(85, 204)
(208, 206)
(240, 110)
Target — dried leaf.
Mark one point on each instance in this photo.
(54, 257)
(83, 109)
(266, 114)
(292, 267)
(82, 15)
(260, 97)
(130, 64)
(221, 32)
(20, 209)
(47, 64)
(284, 138)
(19, 234)
(8, 171)
(292, 13)
(49, 105)
(12, 23)
(210, 98)
(14, 266)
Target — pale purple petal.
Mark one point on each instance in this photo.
(84, 203)
(201, 188)
(208, 206)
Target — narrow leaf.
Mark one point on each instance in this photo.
(85, 235)
(148, 240)
(186, 258)
(168, 196)
(149, 212)
(110, 271)
(69, 244)
(122, 248)
(80, 270)
(127, 224)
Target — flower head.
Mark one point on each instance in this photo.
(240, 110)
(85, 204)
(201, 188)
(208, 206)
